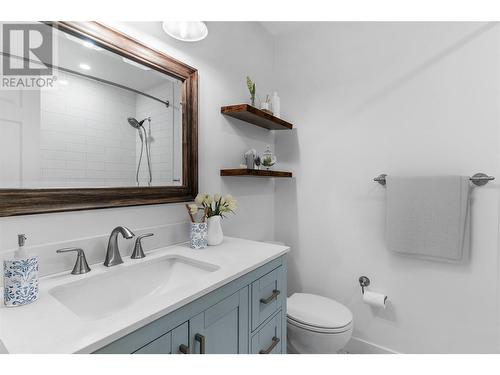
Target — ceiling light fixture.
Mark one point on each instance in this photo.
(186, 31)
(84, 66)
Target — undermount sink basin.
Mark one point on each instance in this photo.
(98, 296)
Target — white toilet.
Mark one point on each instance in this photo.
(317, 325)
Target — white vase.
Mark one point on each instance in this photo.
(214, 235)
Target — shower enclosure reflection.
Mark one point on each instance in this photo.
(108, 121)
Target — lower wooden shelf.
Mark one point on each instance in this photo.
(253, 172)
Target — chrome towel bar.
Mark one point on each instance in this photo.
(479, 179)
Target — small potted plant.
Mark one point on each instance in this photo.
(214, 209)
(268, 159)
(251, 89)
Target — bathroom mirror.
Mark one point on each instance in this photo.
(117, 126)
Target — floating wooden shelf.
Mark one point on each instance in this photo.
(254, 172)
(255, 116)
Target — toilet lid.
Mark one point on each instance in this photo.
(317, 311)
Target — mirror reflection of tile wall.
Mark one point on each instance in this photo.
(86, 140)
(76, 133)
(84, 137)
(164, 140)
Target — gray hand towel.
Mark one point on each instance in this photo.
(428, 217)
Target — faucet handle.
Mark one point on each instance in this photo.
(81, 265)
(138, 251)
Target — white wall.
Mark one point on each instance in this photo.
(20, 132)
(231, 51)
(396, 98)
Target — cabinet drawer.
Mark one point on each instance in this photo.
(162, 345)
(169, 343)
(268, 338)
(267, 296)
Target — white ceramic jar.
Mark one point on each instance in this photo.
(214, 235)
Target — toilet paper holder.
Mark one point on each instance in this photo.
(364, 282)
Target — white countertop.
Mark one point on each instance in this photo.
(47, 326)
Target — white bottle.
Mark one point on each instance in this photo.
(20, 278)
(276, 104)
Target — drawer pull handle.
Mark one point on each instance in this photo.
(183, 349)
(201, 340)
(270, 349)
(271, 298)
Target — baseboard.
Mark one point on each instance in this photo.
(359, 346)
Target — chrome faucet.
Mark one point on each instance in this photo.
(81, 266)
(113, 256)
(138, 252)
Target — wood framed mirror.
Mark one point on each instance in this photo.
(89, 158)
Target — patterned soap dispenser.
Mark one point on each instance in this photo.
(20, 277)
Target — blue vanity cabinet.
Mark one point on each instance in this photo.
(267, 296)
(162, 345)
(247, 315)
(222, 328)
(173, 342)
(269, 338)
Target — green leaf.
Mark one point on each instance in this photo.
(250, 84)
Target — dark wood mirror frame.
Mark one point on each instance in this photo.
(34, 201)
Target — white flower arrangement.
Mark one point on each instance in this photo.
(213, 205)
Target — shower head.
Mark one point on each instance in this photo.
(134, 123)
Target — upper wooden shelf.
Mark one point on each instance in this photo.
(255, 116)
(254, 172)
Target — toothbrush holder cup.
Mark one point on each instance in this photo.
(198, 236)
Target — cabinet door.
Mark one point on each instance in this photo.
(169, 343)
(180, 339)
(222, 328)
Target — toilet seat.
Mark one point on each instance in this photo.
(318, 314)
(312, 328)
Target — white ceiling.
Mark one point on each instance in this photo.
(277, 28)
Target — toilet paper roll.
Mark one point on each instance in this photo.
(374, 299)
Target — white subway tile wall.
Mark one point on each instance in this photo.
(162, 128)
(85, 139)
(84, 133)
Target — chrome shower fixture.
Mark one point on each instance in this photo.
(145, 139)
(134, 123)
